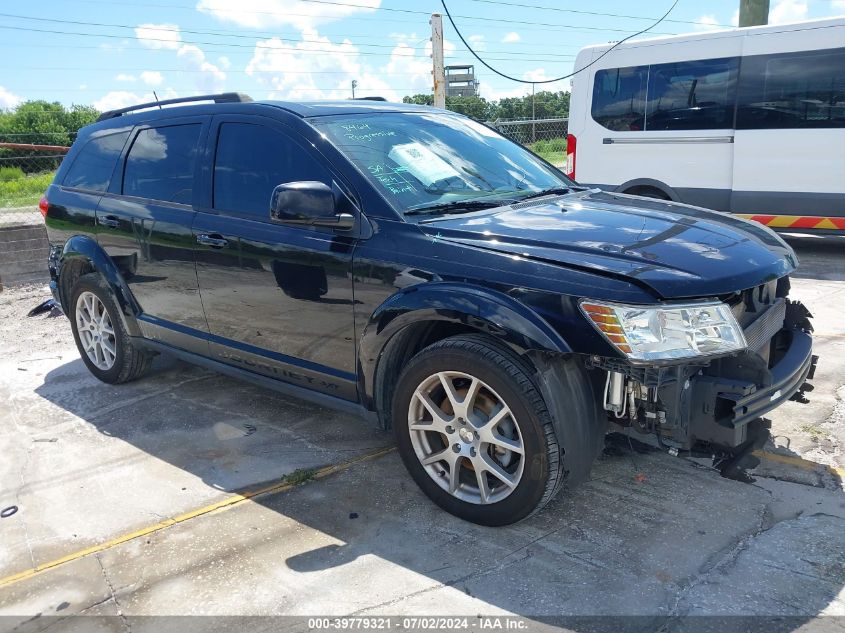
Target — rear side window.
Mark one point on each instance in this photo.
(693, 95)
(93, 166)
(793, 90)
(619, 98)
(251, 160)
(160, 165)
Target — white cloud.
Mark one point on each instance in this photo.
(120, 99)
(210, 78)
(477, 42)
(299, 71)
(838, 5)
(123, 77)
(152, 78)
(706, 23)
(267, 13)
(735, 17)
(511, 38)
(8, 99)
(788, 11)
(159, 36)
(123, 98)
(224, 62)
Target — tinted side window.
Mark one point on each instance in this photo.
(93, 166)
(619, 98)
(692, 95)
(251, 160)
(793, 90)
(160, 165)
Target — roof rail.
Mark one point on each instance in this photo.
(369, 99)
(223, 97)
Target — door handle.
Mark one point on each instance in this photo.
(215, 241)
(109, 221)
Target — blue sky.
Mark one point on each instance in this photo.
(115, 52)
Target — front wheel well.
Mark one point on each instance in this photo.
(70, 273)
(403, 346)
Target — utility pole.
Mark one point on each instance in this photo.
(354, 85)
(439, 74)
(753, 12)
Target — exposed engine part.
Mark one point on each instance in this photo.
(614, 394)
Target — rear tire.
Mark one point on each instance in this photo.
(103, 343)
(475, 433)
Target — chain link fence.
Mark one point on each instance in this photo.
(544, 137)
(26, 170)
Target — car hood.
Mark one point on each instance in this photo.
(676, 250)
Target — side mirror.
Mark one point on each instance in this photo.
(308, 203)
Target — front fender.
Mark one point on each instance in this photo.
(480, 309)
(82, 248)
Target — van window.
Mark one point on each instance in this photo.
(619, 98)
(793, 90)
(251, 160)
(93, 166)
(160, 165)
(692, 95)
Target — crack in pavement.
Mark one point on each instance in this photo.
(120, 613)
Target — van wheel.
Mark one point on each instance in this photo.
(475, 433)
(106, 349)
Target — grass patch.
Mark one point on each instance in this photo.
(23, 192)
(813, 431)
(300, 476)
(552, 150)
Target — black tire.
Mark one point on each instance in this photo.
(506, 374)
(130, 362)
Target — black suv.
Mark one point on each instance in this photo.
(414, 266)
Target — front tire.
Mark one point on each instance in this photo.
(475, 433)
(103, 343)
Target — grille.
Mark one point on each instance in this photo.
(766, 326)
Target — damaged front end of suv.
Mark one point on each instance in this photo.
(700, 375)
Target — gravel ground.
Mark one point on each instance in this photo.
(30, 337)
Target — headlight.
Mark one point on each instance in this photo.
(647, 333)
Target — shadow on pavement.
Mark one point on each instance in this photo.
(649, 535)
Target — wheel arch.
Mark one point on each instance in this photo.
(81, 255)
(649, 183)
(417, 317)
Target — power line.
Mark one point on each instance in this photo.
(584, 12)
(179, 30)
(548, 81)
(251, 46)
(554, 25)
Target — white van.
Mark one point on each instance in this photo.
(750, 121)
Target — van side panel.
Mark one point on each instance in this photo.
(790, 171)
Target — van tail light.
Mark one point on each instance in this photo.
(43, 205)
(570, 155)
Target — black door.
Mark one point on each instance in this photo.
(278, 299)
(145, 225)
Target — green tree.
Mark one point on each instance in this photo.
(475, 107)
(42, 123)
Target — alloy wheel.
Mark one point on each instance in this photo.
(466, 437)
(96, 332)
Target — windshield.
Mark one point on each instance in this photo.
(434, 159)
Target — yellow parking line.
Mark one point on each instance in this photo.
(282, 485)
(800, 463)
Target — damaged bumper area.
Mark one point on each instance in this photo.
(719, 404)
